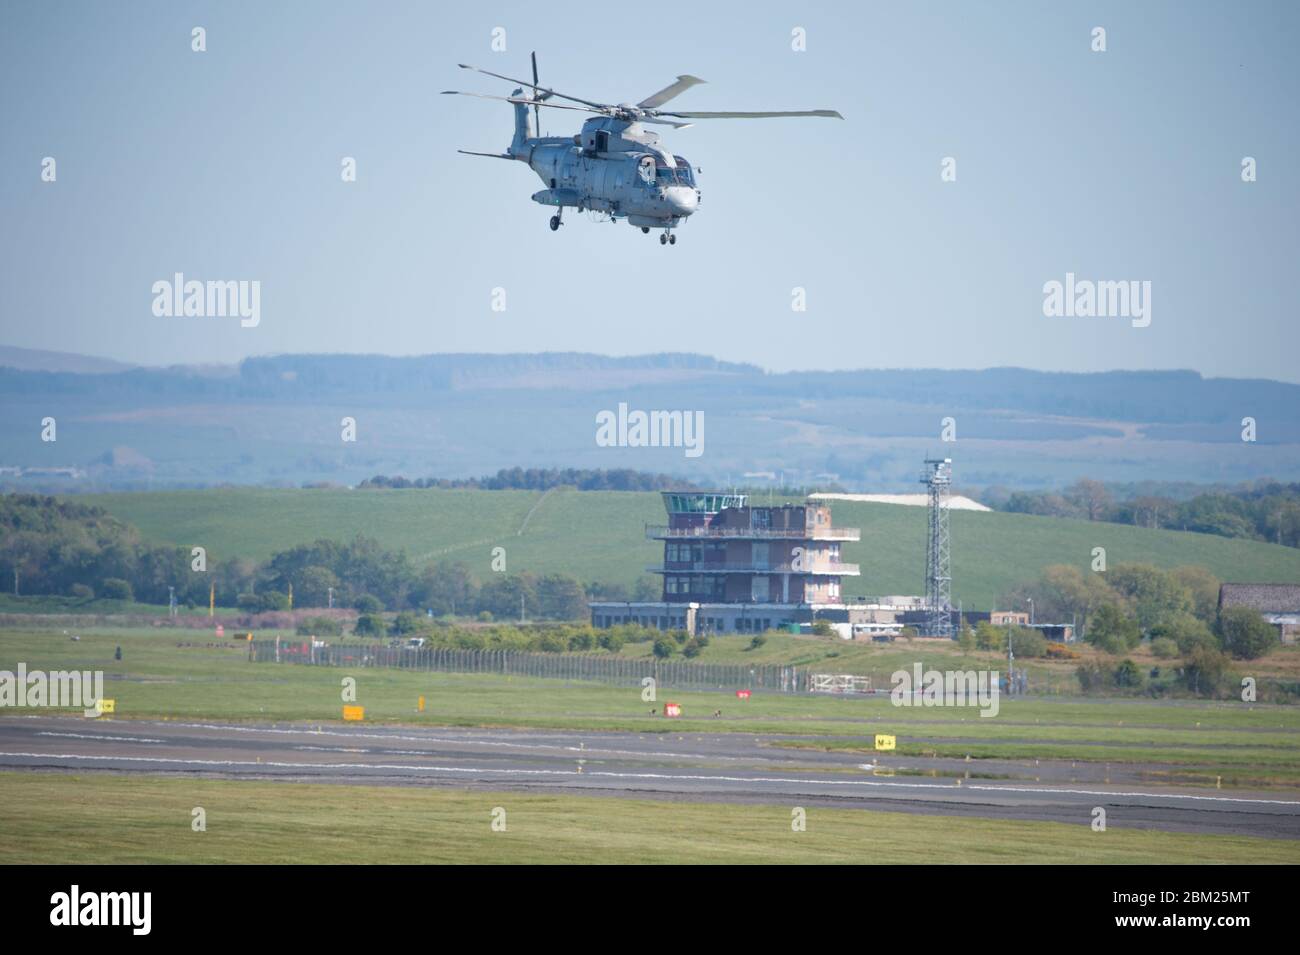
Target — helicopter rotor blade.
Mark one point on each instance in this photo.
(665, 122)
(470, 152)
(537, 113)
(669, 92)
(833, 114)
(601, 107)
(521, 99)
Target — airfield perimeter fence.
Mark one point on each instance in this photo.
(597, 668)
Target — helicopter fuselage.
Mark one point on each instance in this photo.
(612, 166)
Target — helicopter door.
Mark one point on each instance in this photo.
(602, 141)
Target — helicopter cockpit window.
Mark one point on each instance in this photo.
(681, 176)
(646, 170)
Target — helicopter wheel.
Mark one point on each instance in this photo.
(663, 240)
(555, 223)
(645, 229)
(672, 240)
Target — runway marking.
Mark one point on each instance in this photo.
(454, 741)
(113, 739)
(656, 776)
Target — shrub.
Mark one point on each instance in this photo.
(82, 592)
(692, 648)
(664, 648)
(1027, 642)
(115, 588)
(1245, 634)
(1127, 674)
(966, 638)
(611, 640)
(405, 623)
(989, 637)
(320, 627)
(582, 640)
(371, 624)
(1111, 630)
(1095, 677)
(367, 604)
(469, 640)
(1164, 648)
(1187, 632)
(1205, 671)
(550, 642)
(272, 600)
(823, 628)
(758, 641)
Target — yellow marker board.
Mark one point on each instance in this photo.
(884, 742)
(420, 705)
(351, 713)
(106, 706)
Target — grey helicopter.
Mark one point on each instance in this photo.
(614, 165)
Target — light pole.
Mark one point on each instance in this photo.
(1011, 664)
(1031, 610)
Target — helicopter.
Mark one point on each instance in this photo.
(614, 165)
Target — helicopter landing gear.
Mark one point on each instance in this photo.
(556, 222)
(667, 238)
(645, 229)
(672, 240)
(663, 239)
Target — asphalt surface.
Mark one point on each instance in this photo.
(725, 767)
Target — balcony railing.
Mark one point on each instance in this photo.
(824, 568)
(664, 532)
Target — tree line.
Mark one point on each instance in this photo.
(1264, 510)
(50, 546)
(542, 479)
(1176, 612)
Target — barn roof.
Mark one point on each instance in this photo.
(1265, 598)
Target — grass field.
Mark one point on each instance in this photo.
(599, 536)
(119, 819)
(178, 675)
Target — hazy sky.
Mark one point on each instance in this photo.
(225, 164)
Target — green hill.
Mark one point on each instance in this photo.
(599, 535)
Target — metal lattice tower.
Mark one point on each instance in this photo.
(937, 477)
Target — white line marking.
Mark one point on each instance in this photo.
(97, 736)
(455, 741)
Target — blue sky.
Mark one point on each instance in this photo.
(1123, 165)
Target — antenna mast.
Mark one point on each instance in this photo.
(937, 477)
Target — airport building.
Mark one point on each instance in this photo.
(730, 567)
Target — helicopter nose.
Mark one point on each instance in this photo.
(682, 199)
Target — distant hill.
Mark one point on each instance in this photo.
(277, 420)
(31, 359)
(599, 535)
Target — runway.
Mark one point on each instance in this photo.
(722, 767)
